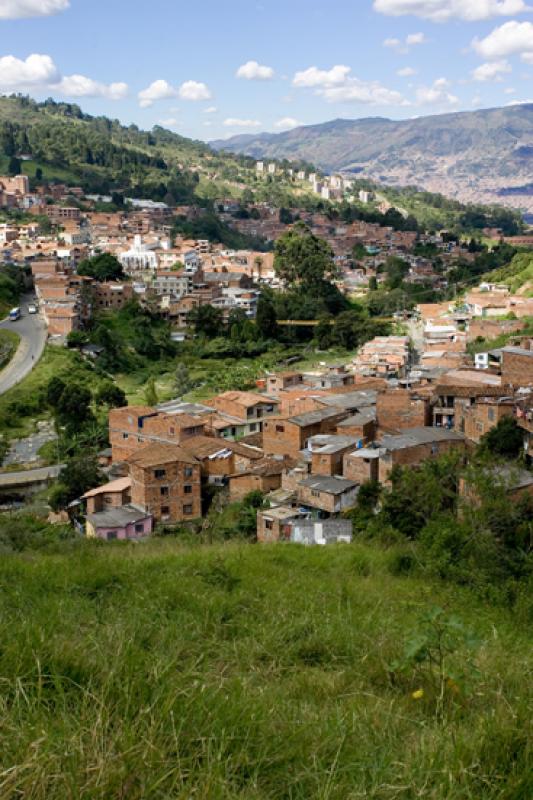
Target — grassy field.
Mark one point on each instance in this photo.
(162, 670)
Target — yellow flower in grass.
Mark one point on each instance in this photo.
(418, 695)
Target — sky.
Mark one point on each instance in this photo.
(210, 70)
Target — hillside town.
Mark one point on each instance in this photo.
(305, 440)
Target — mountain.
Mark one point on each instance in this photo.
(480, 156)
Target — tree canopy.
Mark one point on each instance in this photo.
(303, 259)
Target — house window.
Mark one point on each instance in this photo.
(187, 510)
(165, 511)
(139, 527)
(315, 494)
(491, 414)
(280, 428)
(187, 489)
(188, 472)
(111, 535)
(269, 524)
(172, 431)
(164, 491)
(253, 426)
(125, 435)
(160, 473)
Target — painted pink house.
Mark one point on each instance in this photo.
(126, 522)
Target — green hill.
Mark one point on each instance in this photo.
(103, 155)
(158, 670)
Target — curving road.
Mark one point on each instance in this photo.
(32, 331)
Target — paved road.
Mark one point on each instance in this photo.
(32, 332)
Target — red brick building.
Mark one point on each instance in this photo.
(166, 483)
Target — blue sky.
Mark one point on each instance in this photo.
(208, 69)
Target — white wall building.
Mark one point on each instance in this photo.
(140, 258)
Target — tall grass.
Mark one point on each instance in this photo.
(239, 671)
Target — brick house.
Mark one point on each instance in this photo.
(327, 453)
(330, 495)
(289, 435)
(274, 524)
(362, 465)
(247, 407)
(485, 414)
(415, 445)
(397, 409)
(111, 495)
(282, 381)
(517, 366)
(361, 426)
(111, 295)
(265, 476)
(133, 427)
(166, 483)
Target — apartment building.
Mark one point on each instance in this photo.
(166, 483)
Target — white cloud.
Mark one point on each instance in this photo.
(235, 122)
(443, 10)
(320, 77)
(20, 9)
(252, 71)
(509, 90)
(520, 103)
(286, 123)
(39, 73)
(168, 123)
(403, 46)
(210, 110)
(338, 86)
(35, 71)
(194, 90)
(80, 86)
(491, 71)
(406, 72)
(158, 90)
(436, 95)
(511, 38)
(162, 90)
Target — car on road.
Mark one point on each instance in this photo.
(32, 308)
(14, 314)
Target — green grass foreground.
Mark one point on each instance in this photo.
(162, 670)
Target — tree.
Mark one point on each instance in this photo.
(15, 166)
(396, 269)
(505, 439)
(104, 267)
(303, 259)
(54, 390)
(182, 380)
(77, 339)
(38, 174)
(207, 321)
(285, 216)
(323, 332)
(150, 392)
(73, 407)
(372, 283)
(111, 395)
(266, 320)
(80, 474)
